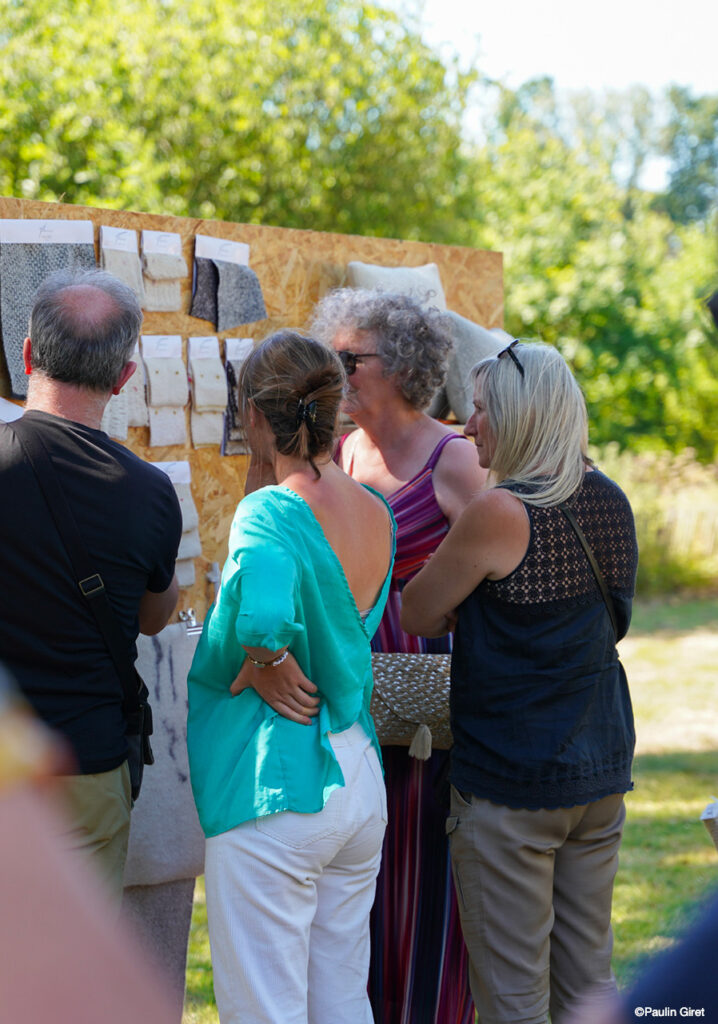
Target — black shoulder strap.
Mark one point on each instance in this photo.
(90, 582)
(594, 565)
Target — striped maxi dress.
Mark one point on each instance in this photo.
(419, 965)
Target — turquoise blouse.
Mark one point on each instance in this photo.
(282, 584)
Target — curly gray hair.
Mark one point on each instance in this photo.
(414, 342)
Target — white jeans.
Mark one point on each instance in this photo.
(288, 902)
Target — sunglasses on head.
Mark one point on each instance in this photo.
(350, 360)
(509, 351)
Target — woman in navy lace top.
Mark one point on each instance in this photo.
(540, 709)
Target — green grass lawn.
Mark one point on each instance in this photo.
(668, 862)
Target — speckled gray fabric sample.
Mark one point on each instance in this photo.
(239, 296)
(204, 299)
(23, 268)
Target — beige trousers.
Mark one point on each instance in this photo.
(534, 891)
(97, 808)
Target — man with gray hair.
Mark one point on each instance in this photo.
(83, 329)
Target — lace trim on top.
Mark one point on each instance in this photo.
(555, 568)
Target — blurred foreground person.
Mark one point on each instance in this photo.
(62, 960)
(540, 710)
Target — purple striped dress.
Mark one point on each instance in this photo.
(419, 966)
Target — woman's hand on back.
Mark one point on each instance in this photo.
(285, 688)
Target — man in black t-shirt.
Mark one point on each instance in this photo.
(83, 329)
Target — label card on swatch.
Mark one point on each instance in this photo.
(161, 242)
(159, 346)
(208, 248)
(178, 472)
(119, 239)
(34, 231)
(203, 348)
(237, 348)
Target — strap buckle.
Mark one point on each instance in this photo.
(92, 585)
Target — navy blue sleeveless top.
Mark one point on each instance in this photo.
(540, 709)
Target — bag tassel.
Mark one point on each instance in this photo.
(421, 744)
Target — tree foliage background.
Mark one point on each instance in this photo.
(337, 116)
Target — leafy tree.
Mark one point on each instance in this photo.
(332, 116)
(691, 142)
(620, 296)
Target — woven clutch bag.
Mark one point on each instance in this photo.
(410, 701)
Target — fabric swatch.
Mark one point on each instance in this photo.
(137, 413)
(114, 419)
(167, 427)
(204, 298)
(163, 273)
(235, 442)
(125, 266)
(207, 428)
(190, 545)
(23, 268)
(239, 296)
(166, 381)
(162, 296)
(209, 384)
(184, 570)
(190, 518)
(163, 266)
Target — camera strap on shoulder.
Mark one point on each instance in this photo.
(89, 582)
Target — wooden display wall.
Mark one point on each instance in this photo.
(295, 268)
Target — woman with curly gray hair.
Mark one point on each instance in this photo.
(395, 354)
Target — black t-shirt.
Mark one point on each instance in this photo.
(129, 518)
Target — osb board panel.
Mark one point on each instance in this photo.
(295, 268)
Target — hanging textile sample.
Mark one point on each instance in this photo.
(190, 546)
(209, 391)
(167, 388)
(31, 250)
(163, 267)
(226, 290)
(236, 351)
(119, 257)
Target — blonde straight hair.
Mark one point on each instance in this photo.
(539, 423)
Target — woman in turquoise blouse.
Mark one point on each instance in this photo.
(286, 772)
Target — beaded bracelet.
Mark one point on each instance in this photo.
(269, 664)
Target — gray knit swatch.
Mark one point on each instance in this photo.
(204, 298)
(23, 268)
(239, 296)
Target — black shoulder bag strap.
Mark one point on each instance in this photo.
(90, 582)
(594, 565)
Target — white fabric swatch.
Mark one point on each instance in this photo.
(167, 426)
(114, 418)
(166, 381)
(184, 570)
(209, 384)
(125, 266)
(190, 518)
(190, 545)
(137, 414)
(207, 428)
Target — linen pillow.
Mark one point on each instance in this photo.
(472, 343)
(422, 283)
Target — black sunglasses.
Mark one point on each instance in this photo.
(509, 350)
(349, 360)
